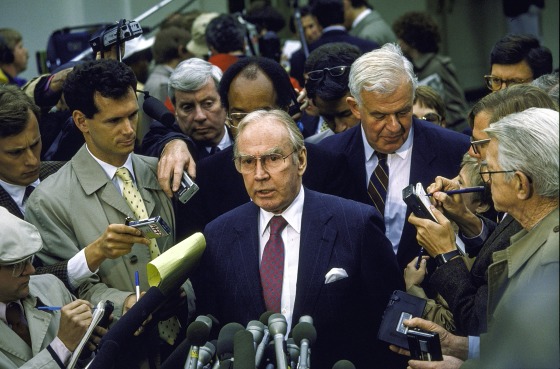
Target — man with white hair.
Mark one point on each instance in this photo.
(382, 84)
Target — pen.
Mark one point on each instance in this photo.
(49, 308)
(419, 258)
(137, 279)
(463, 190)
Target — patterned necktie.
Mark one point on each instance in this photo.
(28, 191)
(16, 320)
(214, 150)
(378, 183)
(272, 265)
(169, 329)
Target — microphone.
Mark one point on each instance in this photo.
(306, 319)
(293, 351)
(225, 344)
(343, 364)
(156, 110)
(243, 350)
(197, 334)
(205, 354)
(304, 334)
(278, 327)
(266, 337)
(256, 329)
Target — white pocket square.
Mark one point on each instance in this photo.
(335, 274)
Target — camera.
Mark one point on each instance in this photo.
(415, 197)
(103, 40)
(151, 228)
(187, 189)
(424, 345)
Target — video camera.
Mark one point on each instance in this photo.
(123, 31)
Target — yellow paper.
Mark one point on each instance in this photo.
(172, 268)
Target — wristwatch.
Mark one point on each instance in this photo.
(445, 257)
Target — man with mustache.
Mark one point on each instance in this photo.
(382, 85)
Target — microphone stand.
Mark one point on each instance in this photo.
(299, 27)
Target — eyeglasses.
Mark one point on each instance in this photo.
(475, 144)
(316, 75)
(486, 175)
(18, 268)
(233, 119)
(432, 117)
(246, 164)
(495, 83)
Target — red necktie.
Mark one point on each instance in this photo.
(16, 320)
(272, 265)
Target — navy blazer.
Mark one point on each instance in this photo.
(436, 151)
(335, 233)
(222, 188)
(297, 61)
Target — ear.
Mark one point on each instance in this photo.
(354, 107)
(482, 208)
(302, 161)
(523, 186)
(80, 121)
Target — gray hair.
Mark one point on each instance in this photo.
(191, 75)
(528, 142)
(295, 136)
(382, 71)
(549, 83)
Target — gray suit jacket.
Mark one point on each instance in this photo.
(73, 207)
(374, 28)
(43, 326)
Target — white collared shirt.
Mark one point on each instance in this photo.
(110, 170)
(224, 143)
(291, 237)
(361, 16)
(399, 177)
(17, 192)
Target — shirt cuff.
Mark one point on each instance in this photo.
(474, 347)
(61, 351)
(78, 270)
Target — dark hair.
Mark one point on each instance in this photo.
(167, 43)
(249, 67)
(111, 78)
(359, 3)
(428, 97)
(9, 38)
(14, 110)
(264, 16)
(181, 20)
(303, 11)
(328, 12)
(419, 30)
(225, 34)
(330, 55)
(513, 49)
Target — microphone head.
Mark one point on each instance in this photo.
(277, 324)
(225, 340)
(206, 320)
(156, 110)
(206, 353)
(257, 330)
(293, 349)
(215, 327)
(197, 333)
(304, 331)
(243, 350)
(306, 318)
(264, 317)
(343, 364)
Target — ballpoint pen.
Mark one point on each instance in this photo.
(137, 280)
(462, 190)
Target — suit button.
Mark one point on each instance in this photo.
(133, 259)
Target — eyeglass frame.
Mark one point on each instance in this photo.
(324, 70)
(508, 82)
(476, 143)
(259, 158)
(230, 121)
(440, 118)
(20, 266)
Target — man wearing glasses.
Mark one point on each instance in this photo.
(517, 59)
(31, 337)
(297, 252)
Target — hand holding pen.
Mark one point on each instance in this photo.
(462, 190)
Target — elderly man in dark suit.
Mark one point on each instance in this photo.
(382, 84)
(333, 261)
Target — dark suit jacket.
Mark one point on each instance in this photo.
(335, 233)
(297, 61)
(436, 151)
(222, 187)
(467, 292)
(59, 269)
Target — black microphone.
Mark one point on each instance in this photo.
(205, 354)
(156, 110)
(304, 334)
(243, 350)
(278, 328)
(343, 364)
(225, 344)
(293, 351)
(197, 334)
(178, 357)
(266, 337)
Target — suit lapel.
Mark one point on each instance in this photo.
(422, 156)
(316, 244)
(38, 322)
(147, 183)
(8, 202)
